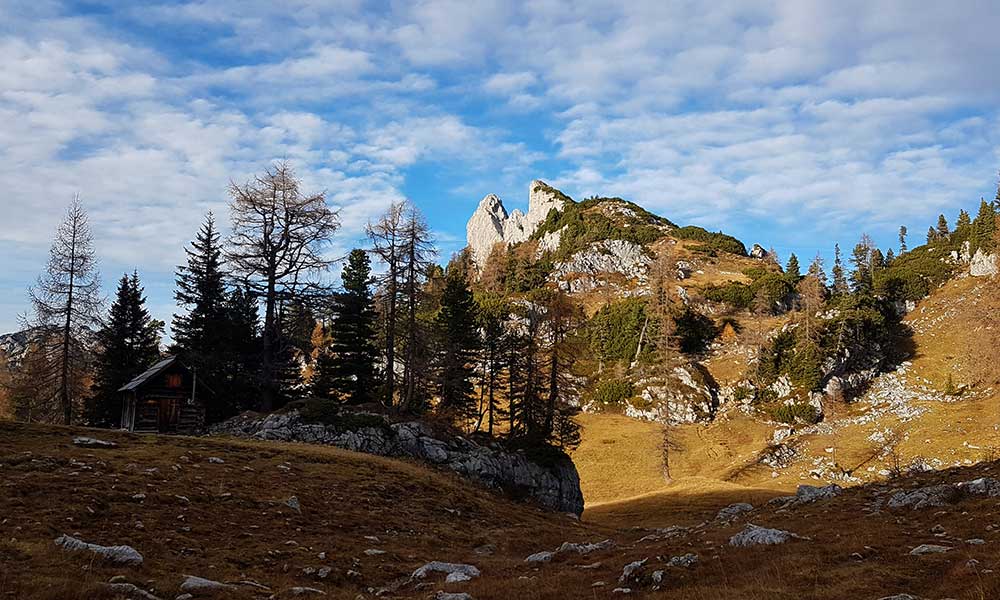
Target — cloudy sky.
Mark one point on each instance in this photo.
(795, 123)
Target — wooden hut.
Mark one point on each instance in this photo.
(167, 398)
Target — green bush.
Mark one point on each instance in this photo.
(581, 227)
(615, 329)
(737, 295)
(694, 330)
(711, 241)
(613, 392)
(793, 413)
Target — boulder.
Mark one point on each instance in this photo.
(89, 442)
(119, 555)
(199, 586)
(984, 486)
(752, 535)
(632, 571)
(929, 549)
(605, 257)
(130, 591)
(685, 560)
(758, 252)
(732, 511)
(555, 485)
(454, 572)
(983, 265)
(932, 495)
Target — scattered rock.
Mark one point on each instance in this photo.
(216, 460)
(485, 550)
(122, 555)
(540, 557)
(306, 591)
(89, 442)
(374, 552)
(453, 596)
(455, 572)
(929, 549)
(753, 535)
(293, 503)
(585, 548)
(983, 264)
(732, 511)
(932, 495)
(197, 586)
(984, 486)
(686, 560)
(130, 591)
(632, 571)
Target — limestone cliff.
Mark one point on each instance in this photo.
(490, 224)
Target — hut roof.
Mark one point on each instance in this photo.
(147, 374)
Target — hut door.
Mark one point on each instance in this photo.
(168, 414)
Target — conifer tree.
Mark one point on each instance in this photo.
(840, 286)
(984, 226)
(889, 257)
(792, 269)
(200, 334)
(877, 260)
(238, 383)
(942, 227)
(861, 258)
(816, 270)
(494, 312)
(66, 302)
(963, 221)
(902, 239)
(932, 235)
(458, 345)
(129, 343)
(346, 368)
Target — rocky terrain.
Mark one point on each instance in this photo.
(172, 517)
(555, 485)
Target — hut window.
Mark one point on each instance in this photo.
(174, 380)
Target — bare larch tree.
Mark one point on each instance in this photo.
(66, 302)
(386, 236)
(277, 250)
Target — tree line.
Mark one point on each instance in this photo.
(262, 326)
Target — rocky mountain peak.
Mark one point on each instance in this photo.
(490, 224)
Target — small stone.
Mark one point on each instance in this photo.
(540, 557)
(293, 503)
(122, 555)
(215, 460)
(89, 442)
(928, 549)
(199, 585)
(306, 591)
(485, 550)
(975, 541)
(374, 552)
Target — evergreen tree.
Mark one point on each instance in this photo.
(877, 260)
(494, 312)
(861, 258)
(902, 239)
(840, 286)
(129, 344)
(889, 257)
(964, 220)
(932, 235)
(458, 345)
(792, 269)
(942, 227)
(238, 383)
(346, 369)
(816, 270)
(984, 226)
(200, 334)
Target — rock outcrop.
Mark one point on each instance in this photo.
(983, 264)
(491, 225)
(684, 395)
(555, 486)
(600, 259)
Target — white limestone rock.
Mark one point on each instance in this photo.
(454, 572)
(983, 265)
(732, 511)
(196, 586)
(753, 535)
(490, 224)
(607, 256)
(89, 442)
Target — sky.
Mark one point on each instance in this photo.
(793, 124)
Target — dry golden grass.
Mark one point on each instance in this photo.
(233, 525)
(618, 458)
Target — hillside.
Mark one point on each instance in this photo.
(217, 509)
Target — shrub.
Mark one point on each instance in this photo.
(793, 413)
(737, 295)
(694, 330)
(615, 329)
(613, 392)
(711, 241)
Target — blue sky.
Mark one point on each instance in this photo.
(793, 124)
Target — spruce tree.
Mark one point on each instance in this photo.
(877, 260)
(889, 257)
(129, 344)
(816, 270)
(238, 384)
(942, 227)
(984, 226)
(792, 269)
(963, 221)
(902, 239)
(346, 368)
(840, 286)
(932, 235)
(457, 348)
(861, 258)
(494, 312)
(200, 334)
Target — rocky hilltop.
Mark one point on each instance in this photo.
(490, 224)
